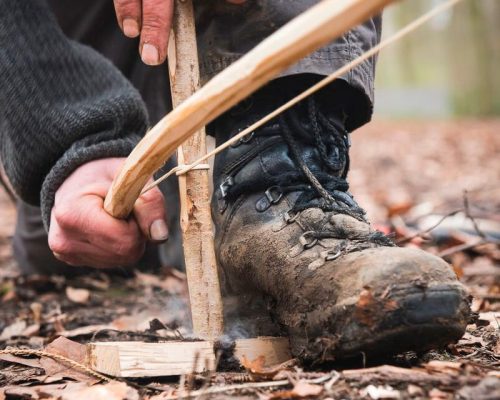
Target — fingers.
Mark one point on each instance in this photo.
(128, 13)
(155, 30)
(87, 235)
(149, 212)
(83, 233)
(152, 20)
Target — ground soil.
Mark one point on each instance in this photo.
(410, 176)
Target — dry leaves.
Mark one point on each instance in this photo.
(110, 391)
(301, 390)
(29, 362)
(73, 391)
(446, 367)
(259, 372)
(380, 392)
(15, 329)
(174, 282)
(69, 349)
(80, 296)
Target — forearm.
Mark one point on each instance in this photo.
(61, 103)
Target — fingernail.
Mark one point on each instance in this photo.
(150, 54)
(130, 27)
(158, 230)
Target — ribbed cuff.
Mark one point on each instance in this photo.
(76, 156)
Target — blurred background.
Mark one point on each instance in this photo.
(447, 68)
(427, 171)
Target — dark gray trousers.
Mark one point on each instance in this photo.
(225, 32)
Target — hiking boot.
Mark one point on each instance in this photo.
(287, 228)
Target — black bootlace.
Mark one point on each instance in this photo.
(328, 189)
(331, 187)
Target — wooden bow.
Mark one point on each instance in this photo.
(319, 25)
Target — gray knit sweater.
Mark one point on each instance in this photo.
(61, 104)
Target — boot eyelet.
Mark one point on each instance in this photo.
(274, 194)
(289, 218)
(244, 140)
(225, 185)
(308, 240)
(333, 255)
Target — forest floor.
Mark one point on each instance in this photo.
(434, 185)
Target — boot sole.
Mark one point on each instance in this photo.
(425, 319)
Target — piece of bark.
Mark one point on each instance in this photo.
(69, 349)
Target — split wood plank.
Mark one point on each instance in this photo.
(138, 359)
(195, 219)
(312, 29)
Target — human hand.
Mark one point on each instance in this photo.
(152, 20)
(83, 233)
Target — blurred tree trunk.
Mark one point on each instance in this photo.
(474, 58)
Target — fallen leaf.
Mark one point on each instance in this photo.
(84, 330)
(173, 284)
(399, 207)
(470, 340)
(492, 317)
(46, 392)
(256, 368)
(304, 389)
(80, 296)
(36, 309)
(15, 329)
(415, 391)
(300, 390)
(446, 367)
(109, 391)
(380, 392)
(436, 394)
(69, 349)
(29, 362)
(139, 321)
(488, 388)
(31, 330)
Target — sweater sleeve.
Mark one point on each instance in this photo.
(61, 104)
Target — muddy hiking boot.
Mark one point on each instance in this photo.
(287, 228)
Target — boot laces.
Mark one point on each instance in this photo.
(329, 186)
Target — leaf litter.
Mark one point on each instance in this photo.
(435, 197)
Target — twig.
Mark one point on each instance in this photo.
(468, 214)
(139, 334)
(250, 385)
(461, 247)
(423, 232)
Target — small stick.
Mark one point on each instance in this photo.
(196, 223)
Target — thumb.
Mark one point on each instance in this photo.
(149, 212)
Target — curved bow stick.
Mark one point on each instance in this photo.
(314, 28)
